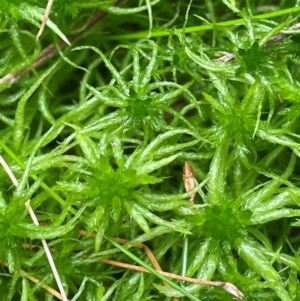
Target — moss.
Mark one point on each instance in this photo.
(97, 136)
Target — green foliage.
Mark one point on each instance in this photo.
(254, 60)
(98, 135)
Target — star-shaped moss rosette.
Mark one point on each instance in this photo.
(227, 227)
(110, 192)
(143, 99)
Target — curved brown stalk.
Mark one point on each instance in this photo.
(230, 288)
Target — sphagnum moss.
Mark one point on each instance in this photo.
(97, 139)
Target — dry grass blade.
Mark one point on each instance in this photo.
(45, 18)
(35, 221)
(48, 288)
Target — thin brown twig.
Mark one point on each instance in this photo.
(275, 39)
(229, 287)
(140, 246)
(51, 50)
(149, 254)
